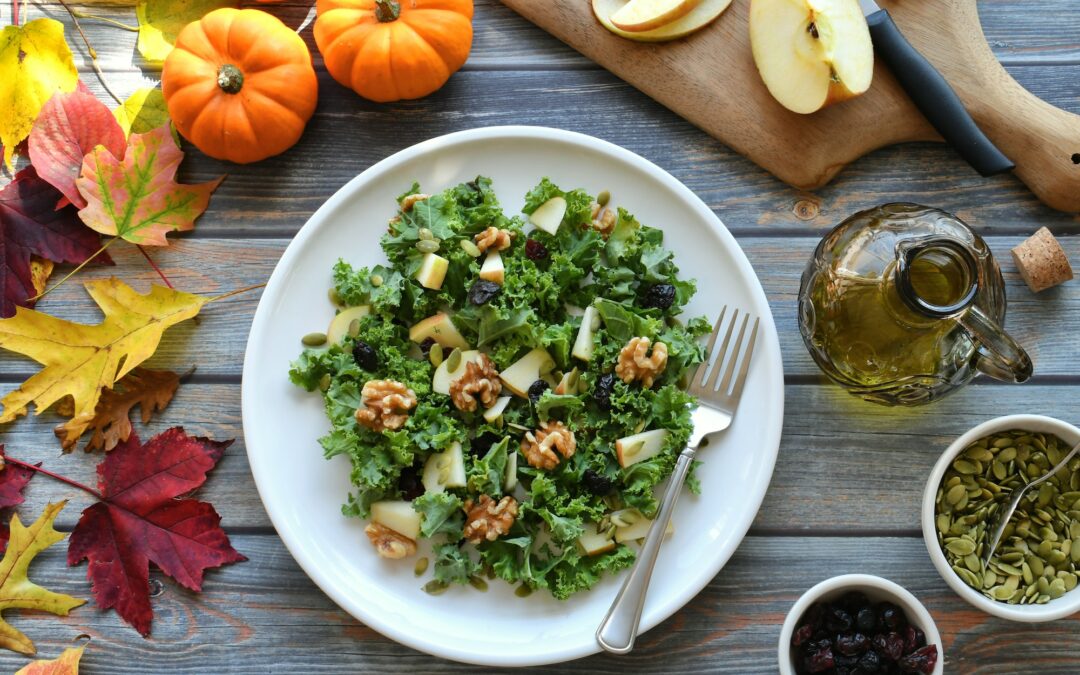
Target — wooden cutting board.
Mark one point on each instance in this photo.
(710, 79)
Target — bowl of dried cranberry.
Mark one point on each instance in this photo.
(859, 624)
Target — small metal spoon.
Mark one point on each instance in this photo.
(1017, 495)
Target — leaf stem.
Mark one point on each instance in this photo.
(236, 292)
(72, 272)
(154, 265)
(62, 479)
(92, 52)
(104, 19)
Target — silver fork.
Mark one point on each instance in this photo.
(718, 400)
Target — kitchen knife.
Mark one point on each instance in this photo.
(932, 94)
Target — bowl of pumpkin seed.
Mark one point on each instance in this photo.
(1034, 572)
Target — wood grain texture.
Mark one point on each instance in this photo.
(265, 616)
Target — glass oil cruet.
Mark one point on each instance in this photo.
(903, 304)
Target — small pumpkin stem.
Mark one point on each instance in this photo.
(230, 79)
(387, 10)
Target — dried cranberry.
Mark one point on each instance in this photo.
(482, 443)
(602, 391)
(921, 661)
(483, 291)
(537, 389)
(409, 483)
(870, 662)
(534, 250)
(867, 621)
(660, 296)
(890, 646)
(597, 484)
(801, 635)
(365, 355)
(853, 644)
(837, 620)
(845, 665)
(853, 601)
(892, 616)
(821, 661)
(426, 345)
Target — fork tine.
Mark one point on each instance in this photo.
(740, 380)
(719, 360)
(703, 369)
(734, 356)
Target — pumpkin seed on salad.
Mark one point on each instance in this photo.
(508, 387)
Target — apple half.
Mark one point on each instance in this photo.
(699, 16)
(811, 53)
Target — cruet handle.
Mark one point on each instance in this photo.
(999, 356)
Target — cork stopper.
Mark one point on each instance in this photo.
(1042, 262)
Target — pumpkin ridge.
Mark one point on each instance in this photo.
(431, 52)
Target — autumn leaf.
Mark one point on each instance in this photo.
(80, 360)
(65, 664)
(160, 21)
(31, 225)
(111, 422)
(35, 63)
(143, 111)
(13, 480)
(136, 197)
(142, 520)
(16, 590)
(40, 271)
(69, 126)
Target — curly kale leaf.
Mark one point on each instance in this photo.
(355, 287)
(453, 565)
(440, 513)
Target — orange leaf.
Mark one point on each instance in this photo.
(111, 421)
(65, 664)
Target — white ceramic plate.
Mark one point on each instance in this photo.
(303, 492)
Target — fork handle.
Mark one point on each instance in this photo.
(619, 628)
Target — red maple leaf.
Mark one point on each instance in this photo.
(141, 520)
(12, 481)
(31, 224)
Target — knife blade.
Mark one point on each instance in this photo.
(932, 94)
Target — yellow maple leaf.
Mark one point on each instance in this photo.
(35, 63)
(79, 359)
(160, 21)
(65, 664)
(16, 589)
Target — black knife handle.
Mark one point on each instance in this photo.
(935, 98)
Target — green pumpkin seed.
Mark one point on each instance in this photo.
(420, 567)
(434, 587)
(314, 339)
(955, 494)
(427, 246)
(454, 360)
(425, 233)
(967, 467)
(603, 198)
(376, 280)
(470, 248)
(435, 355)
(335, 299)
(324, 382)
(478, 583)
(961, 547)
(1009, 569)
(1057, 588)
(523, 591)
(1006, 455)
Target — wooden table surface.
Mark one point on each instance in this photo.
(822, 515)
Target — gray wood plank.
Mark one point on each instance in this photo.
(266, 616)
(1042, 322)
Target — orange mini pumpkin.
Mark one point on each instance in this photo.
(388, 50)
(240, 85)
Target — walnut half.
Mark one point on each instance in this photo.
(388, 543)
(493, 238)
(539, 448)
(386, 405)
(487, 519)
(480, 380)
(635, 362)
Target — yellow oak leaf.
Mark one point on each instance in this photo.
(65, 664)
(35, 63)
(79, 359)
(160, 21)
(16, 589)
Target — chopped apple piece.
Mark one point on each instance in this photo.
(495, 412)
(399, 516)
(526, 370)
(811, 53)
(637, 525)
(548, 216)
(432, 271)
(339, 325)
(440, 328)
(492, 269)
(510, 478)
(639, 447)
(440, 382)
(642, 15)
(697, 18)
(593, 542)
(444, 469)
(569, 383)
(583, 344)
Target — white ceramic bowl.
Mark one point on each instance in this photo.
(875, 588)
(1055, 609)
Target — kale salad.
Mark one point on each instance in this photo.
(510, 388)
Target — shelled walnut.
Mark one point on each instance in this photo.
(408, 202)
(635, 362)
(487, 519)
(479, 381)
(539, 448)
(494, 238)
(386, 405)
(388, 543)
